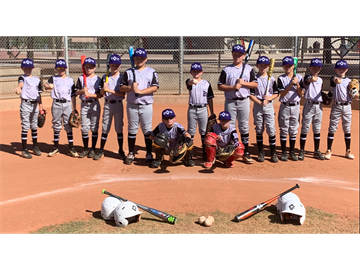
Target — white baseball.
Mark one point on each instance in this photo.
(208, 222)
(201, 220)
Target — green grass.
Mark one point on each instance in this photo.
(265, 222)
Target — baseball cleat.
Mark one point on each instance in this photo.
(36, 151)
(293, 156)
(301, 155)
(189, 163)
(84, 153)
(207, 165)
(54, 152)
(349, 155)
(318, 155)
(229, 164)
(99, 154)
(149, 158)
(274, 158)
(25, 153)
(73, 153)
(91, 153)
(261, 157)
(122, 155)
(284, 156)
(129, 159)
(247, 158)
(155, 163)
(328, 154)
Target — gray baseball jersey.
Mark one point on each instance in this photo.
(292, 96)
(230, 74)
(173, 133)
(145, 78)
(228, 136)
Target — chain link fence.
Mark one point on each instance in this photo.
(170, 56)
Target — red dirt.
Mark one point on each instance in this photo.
(46, 191)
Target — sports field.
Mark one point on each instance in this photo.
(48, 191)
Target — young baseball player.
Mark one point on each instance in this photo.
(291, 89)
(29, 88)
(90, 106)
(113, 106)
(263, 110)
(312, 110)
(64, 101)
(341, 108)
(220, 136)
(200, 97)
(237, 92)
(174, 132)
(139, 102)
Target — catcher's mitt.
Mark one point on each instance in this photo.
(225, 152)
(75, 119)
(41, 118)
(353, 87)
(211, 121)
(160, 140)
(179, 152)
(326, 98)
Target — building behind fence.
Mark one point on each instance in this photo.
(170, 56)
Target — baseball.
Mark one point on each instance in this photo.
(201, 220)
(195, 81)
(211, 218)
(208, 222)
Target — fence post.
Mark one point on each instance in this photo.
(66, 53)
(181, 63)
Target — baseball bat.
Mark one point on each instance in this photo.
(83, 57)
(257, 208)
(107, 67)
(131, 55)
(295, 66)
(248, 54)
(271, 69)
(164, 216)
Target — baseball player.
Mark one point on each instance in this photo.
(220, 136)
(312, 110)
(200, 97)
(174, 132)
(64, 101)
(291, 89)
(341, 108)
(139, 102)
(29, 88)
(113, 107)
(90, 106)
(263, 110)
(237, 92)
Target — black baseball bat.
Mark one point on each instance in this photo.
(164, 216)
(131, 55)
(257, 208)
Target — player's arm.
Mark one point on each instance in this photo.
(253, 98)
(124, 84)
(153, 87)
(79, 90)
(189, 83)
(210, 96)
(154, 132)
(234, 138)
(73, 97)
(222, 86)
(49, 85)
(40, 91)
(275, 91)
(282, 89)
(105, 87)
(18, 89)
(300, 88)
(252, 82)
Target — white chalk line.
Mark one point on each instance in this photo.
(111, 178)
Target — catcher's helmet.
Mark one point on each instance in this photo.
(290, 207)
(108, 207)
(125, 213)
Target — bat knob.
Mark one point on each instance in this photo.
(103, 191)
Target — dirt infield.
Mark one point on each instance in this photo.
(46, 191)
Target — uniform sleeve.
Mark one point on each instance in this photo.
(210, 93)
(78, 85)
(235, 138)
(124, 79)
(100, 85)
(73, 90)
(332, 84)
(50, 80)
(188, 87)
(222, 77)
(306, 78)
(252, 76)
(275, 88)
(155, 131)
(40, 89)
(302, 83)
(280, 85)
(21, 79)
(117, 86)
(155, 80)
(181, 130)
(252, 91)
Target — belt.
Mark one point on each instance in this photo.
(32, 101)
(197, 106)
(344, 103)
(62, 100)
(264, 99)
(113, 100)
(88, 101)
(290, 103)
(313, 102)
(240, 98)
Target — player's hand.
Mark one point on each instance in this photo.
(194, 81)
(337, 80)
(86, 91)
(50, 86)
(218, 138)
(266, 97)
(265, 102)
(135, 88)
(295, 80)
(314, 78)
(238, 84)
(18, 90)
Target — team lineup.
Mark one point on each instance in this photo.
(219, 138)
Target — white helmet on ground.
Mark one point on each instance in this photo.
(289, 207)
(108, 207)
(125, 213)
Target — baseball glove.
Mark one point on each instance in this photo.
(160, 140)
(41, 118)
(179, 152)
(211, 121)
(353, 87)
(326, 98)
(225, 152)
(75, 119)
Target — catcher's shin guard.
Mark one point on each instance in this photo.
(188, 158)
(159, 153)
(210, 152)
